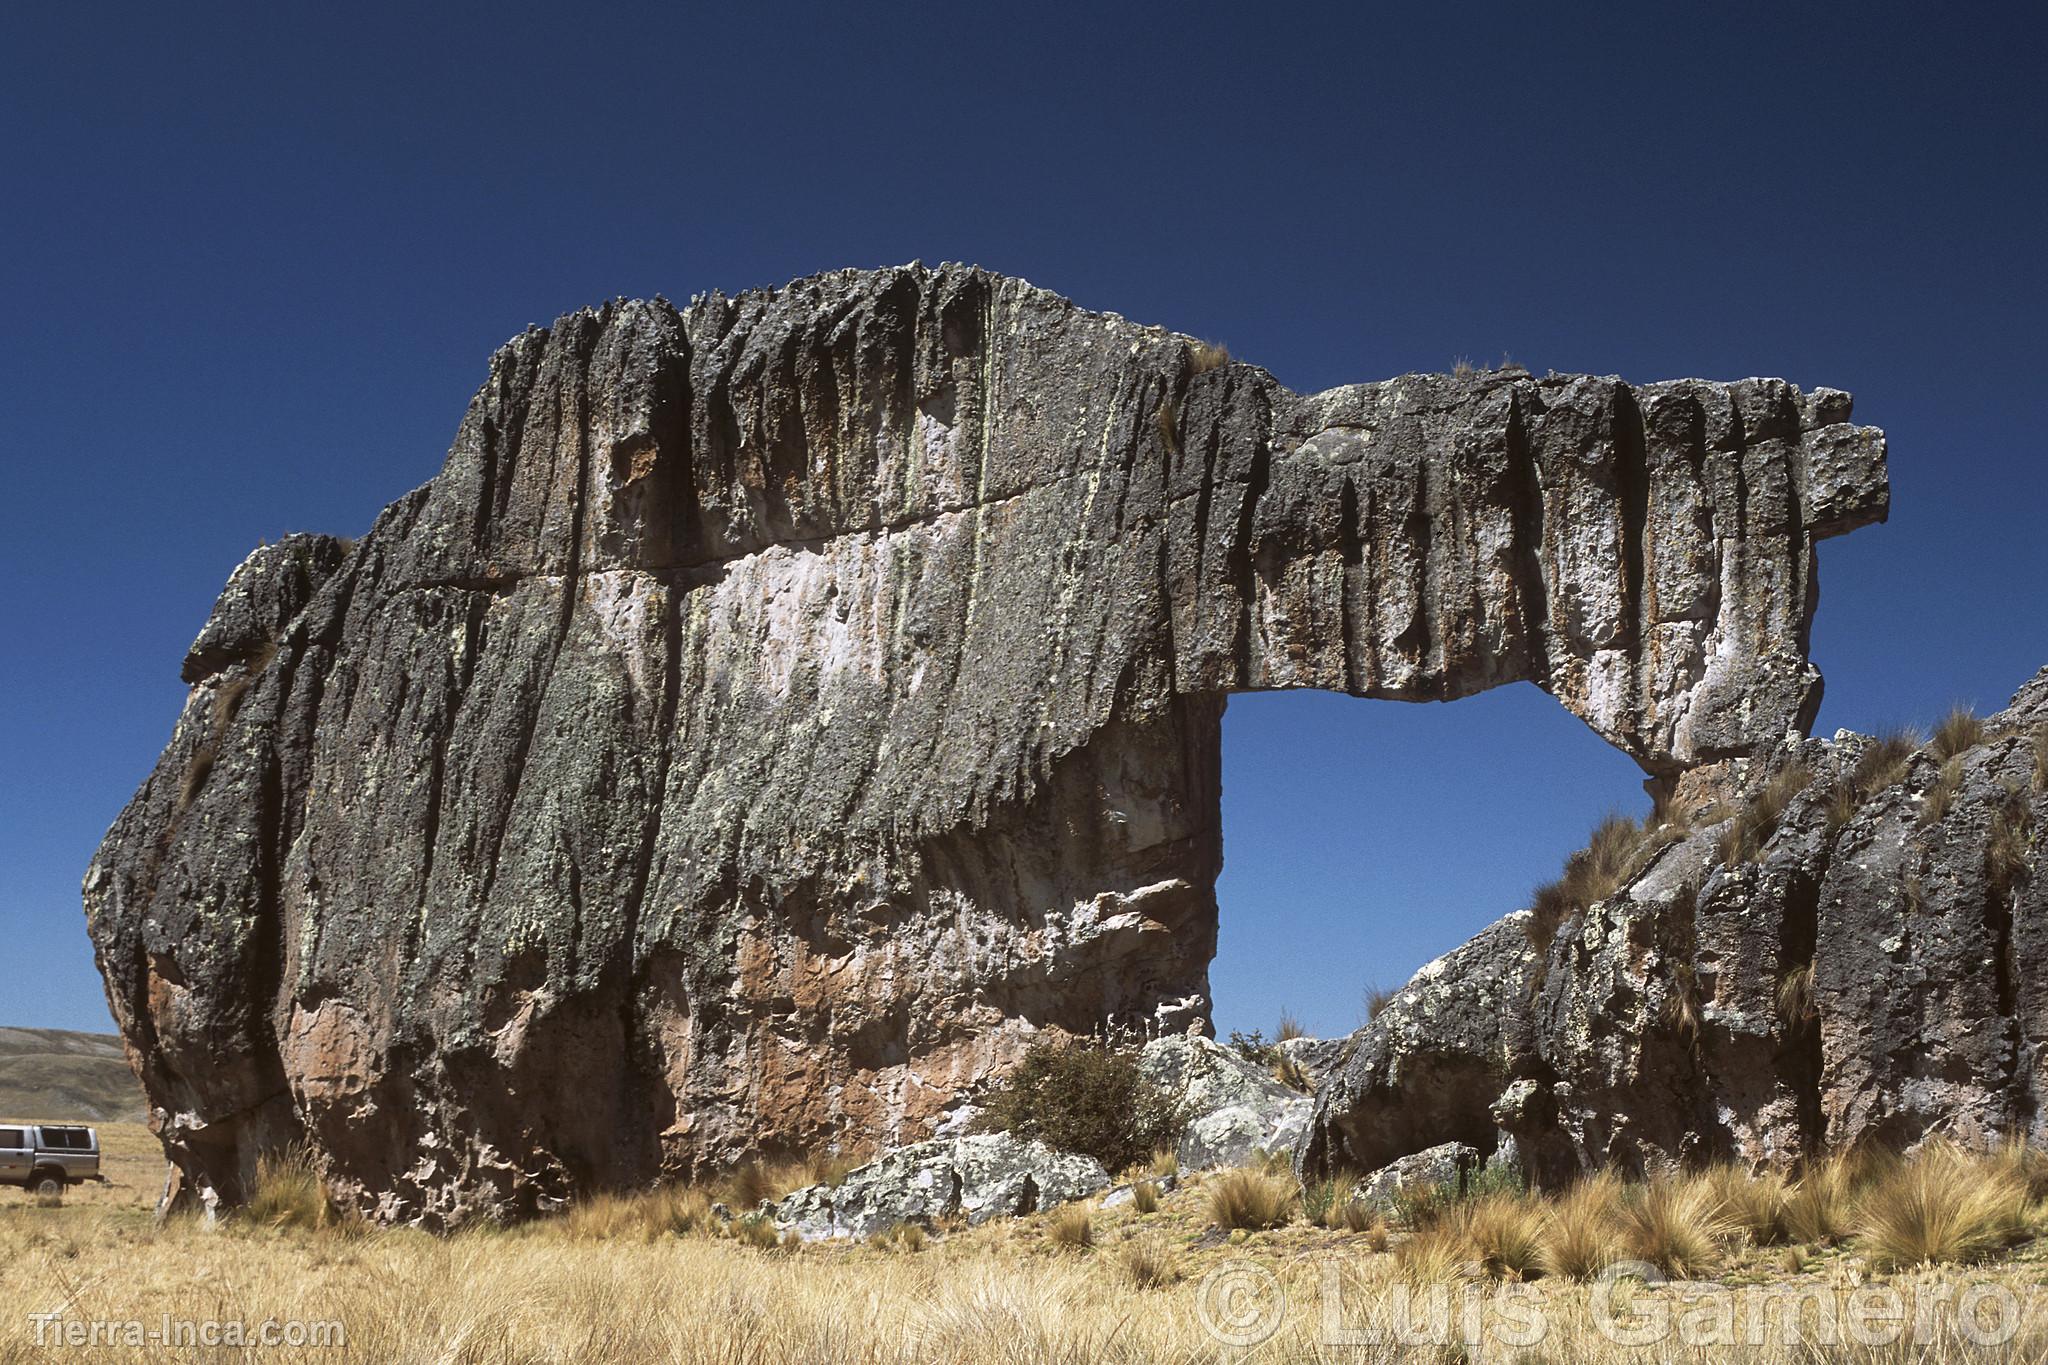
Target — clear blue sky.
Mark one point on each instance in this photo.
(255, 258)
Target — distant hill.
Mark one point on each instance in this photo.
(52, 1074)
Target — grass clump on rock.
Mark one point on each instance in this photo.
(1086, 1097)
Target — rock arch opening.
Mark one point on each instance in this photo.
(1363, 840)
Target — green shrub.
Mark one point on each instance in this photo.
(1086, 1097)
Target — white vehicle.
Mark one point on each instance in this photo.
(43, 1158)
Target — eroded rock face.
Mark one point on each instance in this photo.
(1872, 972)
(778, 708)
(1233, 1108)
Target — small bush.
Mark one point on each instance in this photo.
(1088, 1098)
(1757, 821)
(1423, 1204)
(1251, 1199)
(1149, 1263)
(1945, 1205)
(1934, 805)
(1253, 1047)
(1145, 1197)
(1960, 730)
(1072, 1228)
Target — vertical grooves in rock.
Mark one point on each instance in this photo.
(1632, 480)
(1525, 490)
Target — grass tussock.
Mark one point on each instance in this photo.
(1072, 1228)
(1377, 998)
(1168, 421)
(1884, 763)
(1145, 1197)
(1818, 1206)
(1940, 795)
(767, 1180)
(2009, 851)
(1675, 1223)
(1960, 730)
(905, 1239)
(1797, 1004)
(644, 1216)
(1618, 850)
(2041, 757)
(1204, 356)
(1582, 1230)
(1681, 1010)
(1757, 821)
(289, 1192)
(1149, 1263)
(1944, 1206)
(1251, 1199)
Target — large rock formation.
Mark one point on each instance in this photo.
(1866, 961)
(778, 707)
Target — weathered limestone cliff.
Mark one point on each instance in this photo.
(775, 708)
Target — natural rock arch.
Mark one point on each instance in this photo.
(776, 707)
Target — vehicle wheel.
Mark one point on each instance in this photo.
(47, 1190)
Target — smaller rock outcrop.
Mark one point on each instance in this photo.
(980, 1177)
(1446, 1166)
(1832, 943)
(1233, 1106)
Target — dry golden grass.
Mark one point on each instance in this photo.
(1253, 1199)
(1204, 357)
(1796, 1000)
(1754, 824)
(1145, 1197)
(1884, 763)
(1150, 1263)
(1945, 1206)
(1071, 1228)
(1582, 1236)
(997, 1293)
(2008, 853)
(1675, 1223)
(1959, 730)
(1941, 794)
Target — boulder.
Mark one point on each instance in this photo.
(1234, 1107)
(977, 1178)
(1447, 1167)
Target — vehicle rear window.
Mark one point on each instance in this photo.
(13, 1137)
